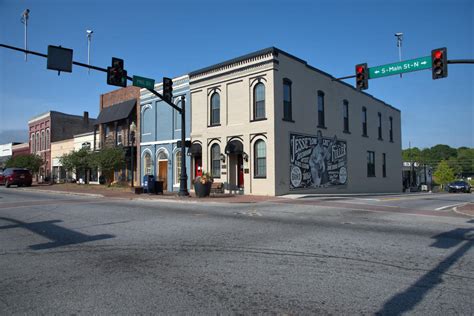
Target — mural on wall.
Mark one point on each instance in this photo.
(317, 162)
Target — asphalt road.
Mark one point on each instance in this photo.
(63, 254)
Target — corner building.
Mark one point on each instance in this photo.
(267, 123)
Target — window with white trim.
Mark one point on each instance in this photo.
(260, 159)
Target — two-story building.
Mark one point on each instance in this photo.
(54, 126)
(160, 132)
(118, 125)
(268, 123)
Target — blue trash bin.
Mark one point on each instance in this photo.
(150, 183)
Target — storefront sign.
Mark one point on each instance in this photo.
(317, 161)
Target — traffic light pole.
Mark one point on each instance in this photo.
(183, 190)
(183, 178)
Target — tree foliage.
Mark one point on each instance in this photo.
(443, 174)
(108, 159)
(77, 160)
(30, 161)
(460, 160)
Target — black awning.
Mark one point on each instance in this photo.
(195, 150)
(116, 112)
(234, 147)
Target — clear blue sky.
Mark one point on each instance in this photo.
(170, 38)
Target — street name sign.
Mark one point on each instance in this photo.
(400, 67)
(143, 82)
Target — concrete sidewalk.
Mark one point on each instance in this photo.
(126, 193)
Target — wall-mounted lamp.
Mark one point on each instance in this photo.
(222, 157)
(245, 156)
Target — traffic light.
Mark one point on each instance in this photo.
(439, 61)
(362, 77)
(116, 75)
(167, 89)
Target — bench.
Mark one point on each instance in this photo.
(217, 187)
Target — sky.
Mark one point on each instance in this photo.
(172, 38)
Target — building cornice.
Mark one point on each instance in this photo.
(244, 62)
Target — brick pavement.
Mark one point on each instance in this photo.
(467, 209)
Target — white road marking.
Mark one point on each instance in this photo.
(448, 206)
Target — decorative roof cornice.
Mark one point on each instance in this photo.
(239, 62)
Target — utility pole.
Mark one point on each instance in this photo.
(24, 19)
(89, 39)
(399, 37)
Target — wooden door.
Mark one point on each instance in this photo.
(163, 173)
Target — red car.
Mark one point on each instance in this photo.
(16, 176)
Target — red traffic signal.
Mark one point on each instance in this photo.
(167, 89)
(362, 76)
(439, 63)
(116, 75)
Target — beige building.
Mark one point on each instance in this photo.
(268, 123)
(58, 149)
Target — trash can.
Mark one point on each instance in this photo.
(158, 187)
(150, 183)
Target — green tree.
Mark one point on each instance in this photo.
(108, 160)
(465, 159)
(411, 154)
(77, 160)
(453, 163)
(30, 161)
(443, 174)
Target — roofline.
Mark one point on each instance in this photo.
(45, 114)
(277, 51)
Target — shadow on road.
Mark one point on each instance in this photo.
(58, 235)
(407, 300)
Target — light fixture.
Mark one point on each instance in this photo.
(222, 157)
(133, 127)
(245, 156)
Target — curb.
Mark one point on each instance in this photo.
(349, 195)
(455, 209)
(61, 192)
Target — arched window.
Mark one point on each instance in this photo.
(215, 109)
(260, 159)
(216, 161)
(38, 148)
(177, 167)
(47, 138)
(147, 163)
(42, 140)
(32, 143)
(259, 101)
(144, 124)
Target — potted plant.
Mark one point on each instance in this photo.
(202, 185)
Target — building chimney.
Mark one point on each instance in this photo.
(86, 118)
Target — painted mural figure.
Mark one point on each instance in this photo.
(318, 162)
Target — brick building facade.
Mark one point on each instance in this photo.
(118, 110)
(50, 127)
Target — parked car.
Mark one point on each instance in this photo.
(1, 177)
(17, 176)
(459, 186)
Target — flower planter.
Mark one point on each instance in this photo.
(202, 190)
